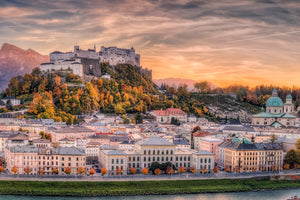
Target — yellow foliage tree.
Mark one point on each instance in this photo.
(132, 171)
(286, 166)
(14, 169)
(68, 170)
(182, 169)
(193, 170)
(216, 169)
(145, 170)
(92, 171)
(27, 170)
(103, 171)
(118, 170)
(54, 171)
(80, 170)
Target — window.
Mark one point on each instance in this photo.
(162, 152)
(167, 152)
(121, 161)
(144, 159)
(153, 152)
(171, 151)
(69, 158)
(117, 161)
(133, 158)
(112, 161)
(158, 152)
(129, 159)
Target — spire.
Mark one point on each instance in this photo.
(274, 93)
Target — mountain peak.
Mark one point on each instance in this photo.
(7, 46)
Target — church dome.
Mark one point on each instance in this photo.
(289, 96)
(274, 101)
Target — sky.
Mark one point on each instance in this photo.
(225, 42)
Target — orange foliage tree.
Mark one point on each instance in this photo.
(145, 170)
(286, 166)
(92, 171)
(27, 170)
(132, 171)
(227, 169)
(14, 169)
(118, 170)
(1, 169)
(204, 170)
(68, 170)
(169, 170)
(157, 171)
(54, 171)
(103, 171)
(182, 169)
(216, 169)
(41, 171)
(80, 170)
(193, 170)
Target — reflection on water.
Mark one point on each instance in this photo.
(265, 195)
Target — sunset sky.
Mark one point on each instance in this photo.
(225, 42)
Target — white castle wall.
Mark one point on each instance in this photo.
(74, 65)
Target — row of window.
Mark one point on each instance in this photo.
(158, 159)
(158, 152)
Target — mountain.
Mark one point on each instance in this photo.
(15, 61)
(175, 82)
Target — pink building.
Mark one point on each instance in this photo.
(210, 144)
(71, 132)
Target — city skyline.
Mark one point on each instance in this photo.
(247, 42)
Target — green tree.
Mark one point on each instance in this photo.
(291, 158)
(273, 138)
(138, 118)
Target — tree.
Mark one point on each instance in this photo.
(157, 171)
(68, 170)
(227, 169)
(27, 170)
(80, 170)
(145, 170)
(169, 170)
(132, 171)
(103, 171)
(118, 170)
(202, 87)
(193, 170)
(54, 171)
(204, 170)
(154, 166)
(41, 171)
(119, 109)
(216, 169)
(1, 169)
(297, 144)
(291, 158)
(92, 171)
(286, 166)
(138, 118)
(182, 169)
(273, 138)
(14, 170)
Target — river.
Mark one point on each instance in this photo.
(265, 195)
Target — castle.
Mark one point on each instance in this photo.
(277, 114)
(88, 62)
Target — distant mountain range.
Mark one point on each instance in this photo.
(15, 61)
(175, 82)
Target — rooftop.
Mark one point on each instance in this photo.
(155, 141)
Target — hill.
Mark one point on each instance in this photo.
(15, 61)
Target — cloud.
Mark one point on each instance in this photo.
(249, 41)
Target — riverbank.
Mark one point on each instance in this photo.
(110, 188)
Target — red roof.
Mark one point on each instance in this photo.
(201, 134)
(169, 111)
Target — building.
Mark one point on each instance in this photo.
(70, 132)
(210, 144)
(41, 143)
(44, 159)
(165, 116)
(277, 114)
(241, 157)
(154, 149)
(13, 100)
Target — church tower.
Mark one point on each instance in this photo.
(289, 106)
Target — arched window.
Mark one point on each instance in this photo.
(153, 152)
(158, 152)
(149, 152)
(167, 152)
(171, 152)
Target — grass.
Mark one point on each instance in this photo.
(106, 188)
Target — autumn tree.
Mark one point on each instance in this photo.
(1, 169)
(157, 171)
(297, 144)
(132, 171)
(14, 170)
(80, 170)
(286, 166)
(103, 171)
(204, 170)
(227, 169)
(118, 170)
(169, 170)
(27, 170)
(291, 158)
(54, 171)
(145, 171)
(216, 169)
(92, 171)
(182, 169)
(68, 170)
(193, 170)
(41, 172)
(273, 138)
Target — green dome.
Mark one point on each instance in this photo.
(289, 96)
(274, 101)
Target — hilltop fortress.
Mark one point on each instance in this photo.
(88, 62)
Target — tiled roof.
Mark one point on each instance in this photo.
(113, 152)
(155, 141)
(23, 149)
(204, 153)
(70, 151)
(41, 141)
(252, 146)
